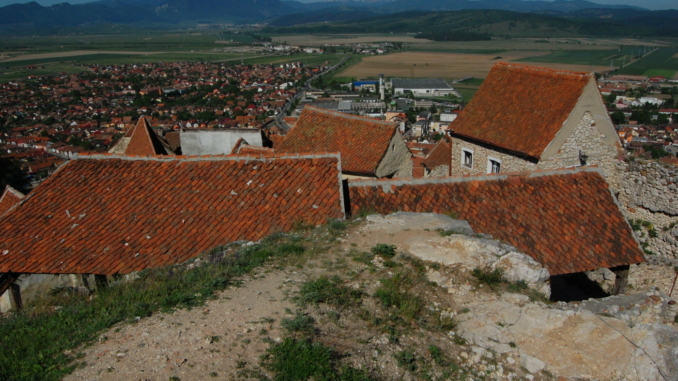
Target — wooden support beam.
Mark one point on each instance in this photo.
(16, 295)
(621, 279)
(101, 281)
(6, 281)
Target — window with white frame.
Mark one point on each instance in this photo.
(466, 158)
(493, 165)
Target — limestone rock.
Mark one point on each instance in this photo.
(532, 364)
(408, 220)
(519, 266)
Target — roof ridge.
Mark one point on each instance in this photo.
(349, 116)
(481, 177)
(187, 158)
(10, 189)
(540, 69)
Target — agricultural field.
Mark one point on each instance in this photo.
(443, 65)
(615, 58)
(312, 39)
(662, 62)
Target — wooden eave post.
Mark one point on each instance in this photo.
(621, 279)
(7, 283)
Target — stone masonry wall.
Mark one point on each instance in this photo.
(649, 193)
(587, 139)
(509, 163)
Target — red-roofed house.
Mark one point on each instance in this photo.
(10, 198)
(123, 214)
(527, 118)
(368, 147)
(141, 140)
(567, 220)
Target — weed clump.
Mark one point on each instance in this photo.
(294, 359)
(384, 250)
(490, 278)
(301, 323)
(392, 293)
(328, 290)
(406, 360)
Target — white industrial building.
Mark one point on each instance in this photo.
(421, 86)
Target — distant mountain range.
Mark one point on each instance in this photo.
(468, 25)
(32, 16)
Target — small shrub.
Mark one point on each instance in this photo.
(337, 225)
(437, 355)
(390, 264)
(392, 294)
(328, 290)
(301, 323)
(291, 249)
(652, 233)
(635, 225)
(293, 360)
(384, 250)
(406, 360)
(362, 257)
(447, 233)
(459, 340)
(518, 286)
(490, 278)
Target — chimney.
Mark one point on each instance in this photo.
(381, 86)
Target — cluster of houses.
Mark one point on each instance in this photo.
(49, 119)
(534, 172)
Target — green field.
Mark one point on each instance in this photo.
(663, 62)
(122, 39)
(616, 57)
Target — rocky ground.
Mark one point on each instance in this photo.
(500, 332)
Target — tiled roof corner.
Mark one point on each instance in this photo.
(124, 213)
(568, 220)
(521, 108)
(144, 141)
(362, 141)
(10, 198)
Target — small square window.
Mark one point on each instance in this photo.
(467, 158)
(494, 166)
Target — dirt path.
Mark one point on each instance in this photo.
(220, 338)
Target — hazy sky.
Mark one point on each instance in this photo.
(649, 4)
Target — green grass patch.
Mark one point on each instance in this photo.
(490, 278)
(33, 343)
(662, 59)
(587, 57)
(300, 323)
(329, 291)
(384, 250)
(297, 360)
(661, 73)
(394, 293)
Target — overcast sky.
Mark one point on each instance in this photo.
(649, 4)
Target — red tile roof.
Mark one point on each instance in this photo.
(521, 108)
(108, 214)
(441, 154)
(144, 141)
(10, 198)
(362, 142)
(567, 220)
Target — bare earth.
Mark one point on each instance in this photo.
(445, 65)
(225, 338)
(346, 39)
(74, 53)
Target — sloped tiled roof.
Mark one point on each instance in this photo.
(362, 142)
(567, 220)
(108, 214)
(10, 198)
(521, 108)
(441, 154)
(243, 148)
(144, 141)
